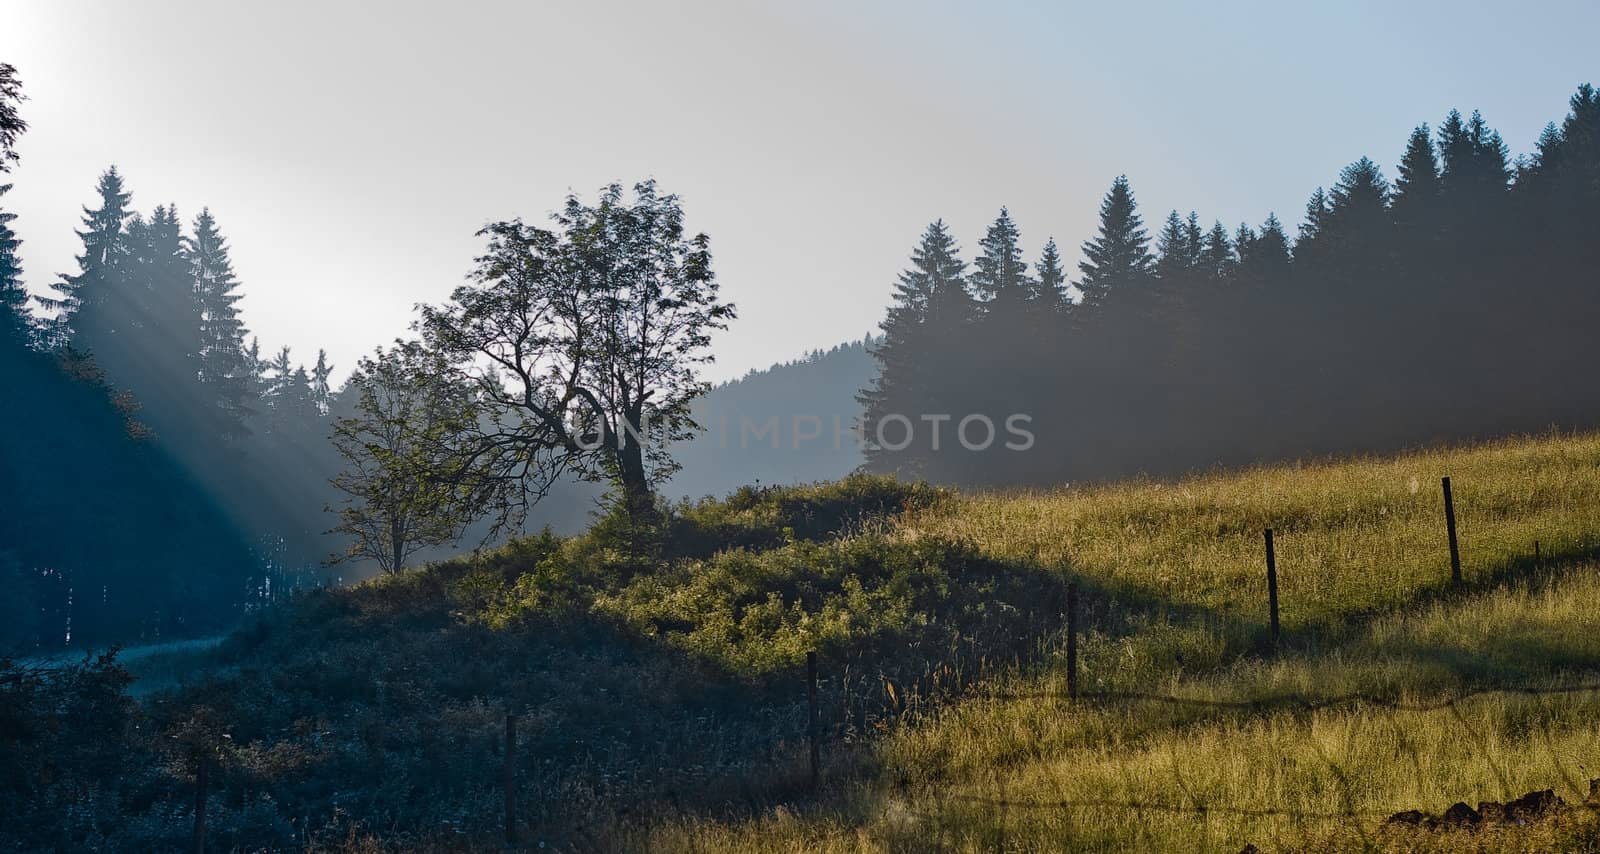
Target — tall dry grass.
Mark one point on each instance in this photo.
(1387, 694)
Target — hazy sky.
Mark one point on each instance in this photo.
(350, 150)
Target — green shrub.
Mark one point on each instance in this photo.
(766, 517)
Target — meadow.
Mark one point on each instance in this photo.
(659, 677)
(1389, 691)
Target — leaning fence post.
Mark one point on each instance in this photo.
(1072, 640)
(811, 718)
(200, 803)
(1450, 525)
(1272, 586)
(1536, 560)
(509, 779)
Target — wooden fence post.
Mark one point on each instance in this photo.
(509, 779)
(1072, 640)
(811, 719)
(1450, 525)
(1272, 586)
(200, 803)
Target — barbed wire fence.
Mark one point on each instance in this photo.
(849, 714)
(1070, 691)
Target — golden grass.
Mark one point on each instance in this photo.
(1279, 750)
(1351, 536)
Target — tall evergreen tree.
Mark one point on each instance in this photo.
(1307, 242)
(1193, 238)
(12, 125)
(1265, 255)
(1244, 238)
(1172, 249)
(1050, 280)
(300, 399)
(930, 313)
(282, 369)
(1119, 255)
(321, 391)
(227, 372)
(1361, 196)
(258, 370)
(1580, 135)
(1217, 254)
(161, 315)
(16, 323)
(1547, 151)
(1474, 162)
(1455, 149)
(1419, 169)
(1414, 206)
(999, 275)
(82, 297)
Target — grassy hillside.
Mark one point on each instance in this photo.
(661, 696)
(1390, 692)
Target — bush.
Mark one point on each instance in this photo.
(766, 517)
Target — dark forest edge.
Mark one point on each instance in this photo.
(1457, 302)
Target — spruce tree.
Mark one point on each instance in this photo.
(227, 372)
(1267, 253)
(1307, 247)
(288, 397)
(1414, 206)
(930, 313)
(258, 370)
(12, 125)
(1580, 136)
(1119, 255)
(1419, 170)
(999, 275)
(1193, 239)
(16, 323)
(1172, 250)
(1005, 332)
(1490, 156)
(1216, 255)
(85, 292)
(1244, 238)
(300, 399)
(1474, 165)
(1355, 232)
(1050, 280)
(161, 314)
(278, 384)
(1362, 192)
(321, 392)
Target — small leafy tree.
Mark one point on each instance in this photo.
(582, 343)
(403, 492)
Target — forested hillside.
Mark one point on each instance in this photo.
(791, 423)
(104, 537)
(1457, 300)
(165, 476)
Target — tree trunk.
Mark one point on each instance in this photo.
(397, 540)
(636, 494)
